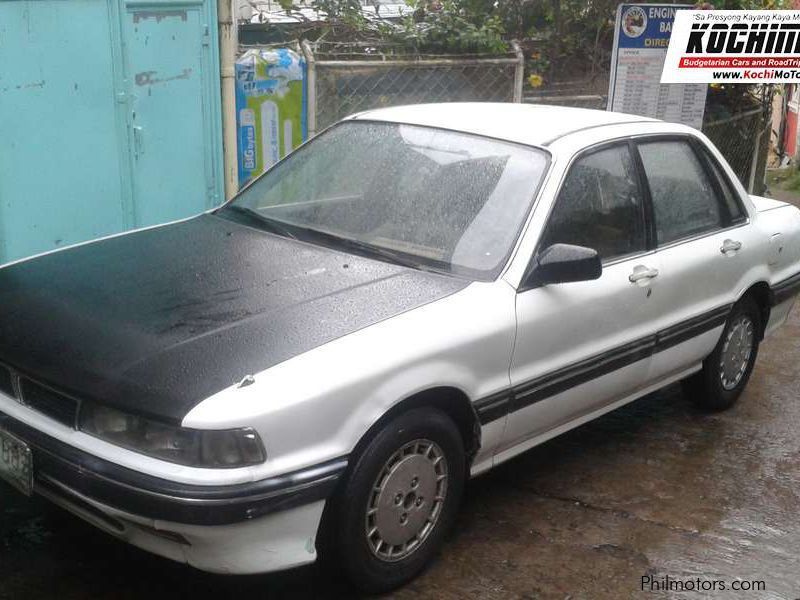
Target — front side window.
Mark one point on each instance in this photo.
(684, 201)
(600, 206)
(420, 196)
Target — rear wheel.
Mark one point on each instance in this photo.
(727, 369)
(391, 515)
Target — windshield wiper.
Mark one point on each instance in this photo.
(308, 233)
(393, 256)
(258, 220)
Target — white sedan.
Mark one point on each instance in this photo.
(415, 296)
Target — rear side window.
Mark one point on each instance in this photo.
(600, 205)
(729, 195)
(684, 201)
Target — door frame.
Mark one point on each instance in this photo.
(644, 190)
(212, 103)
(696, 146)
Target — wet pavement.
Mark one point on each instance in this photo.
(654, 489)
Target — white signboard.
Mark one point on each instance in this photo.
(641, 38)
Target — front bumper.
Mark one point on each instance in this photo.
(244, 528)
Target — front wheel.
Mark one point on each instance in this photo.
(401, 497)
(727, 369)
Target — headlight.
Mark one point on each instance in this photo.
(216, 449)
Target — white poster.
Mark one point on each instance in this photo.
(641, 39)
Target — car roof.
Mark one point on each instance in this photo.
(531, 124)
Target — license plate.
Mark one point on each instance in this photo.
(16, 463)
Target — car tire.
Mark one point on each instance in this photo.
(727, 369)
(400, 498)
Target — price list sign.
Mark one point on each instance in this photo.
(641, 38)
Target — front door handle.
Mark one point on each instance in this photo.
(643, 274)
(730, 247)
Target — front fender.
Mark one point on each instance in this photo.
(318, 405)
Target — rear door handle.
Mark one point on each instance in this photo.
(730, 246)
(642, 273)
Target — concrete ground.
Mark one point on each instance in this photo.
(656, 489)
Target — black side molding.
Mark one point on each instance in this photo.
(500, 404)
(153, 497)
(493, 407)
(785, 289)
(576, 374)
(686, 330)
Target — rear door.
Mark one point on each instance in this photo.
(703, 243)
(581, 346)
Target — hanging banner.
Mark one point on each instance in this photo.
(641, 38)
(270, 108)
(734, 46)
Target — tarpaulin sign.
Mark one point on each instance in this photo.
(270, 108)
(734, 46)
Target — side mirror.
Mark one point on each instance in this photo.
(563, 263)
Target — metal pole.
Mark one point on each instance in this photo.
(751, 180)
(311, 63)
(519, 71)
(228, 41)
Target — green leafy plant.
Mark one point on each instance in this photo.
(460, 26)
(466, 26)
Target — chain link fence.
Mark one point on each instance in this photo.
(578, 93)
(346, 78)
(744, 141)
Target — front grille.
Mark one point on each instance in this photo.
(56, 406)
(6, 383)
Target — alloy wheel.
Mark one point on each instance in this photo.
(736, 351)
(406, 501)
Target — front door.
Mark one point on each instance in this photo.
(582, 346)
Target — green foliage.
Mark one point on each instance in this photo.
(336, 11)
(460, 26)
(752, 4)
(793, 184)
(347, 11)
(523, 18)
(466, 26)
(787, 179)
(566, 35)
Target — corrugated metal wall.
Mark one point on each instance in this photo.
(109, 118)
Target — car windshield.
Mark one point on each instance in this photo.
(419, 196)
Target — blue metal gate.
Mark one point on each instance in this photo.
(109, 118)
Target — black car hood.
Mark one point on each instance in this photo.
(155, 321)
